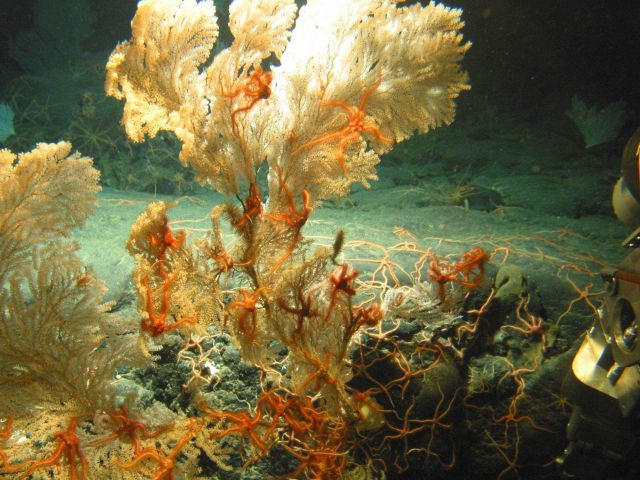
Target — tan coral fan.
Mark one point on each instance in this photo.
(53, 319)
(332, 55)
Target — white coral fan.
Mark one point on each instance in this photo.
(421, 302)
(353, 79)
(6, 122)
(597, 125)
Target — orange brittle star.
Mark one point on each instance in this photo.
(353, 129)
(257, 86)
(167, 463)
(69, 447)
(156, 322)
